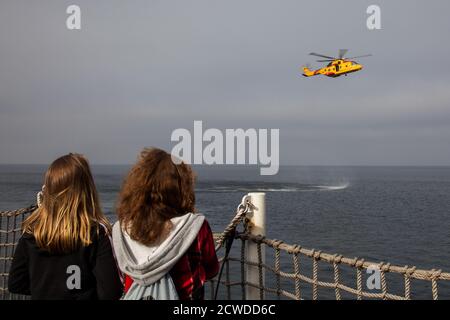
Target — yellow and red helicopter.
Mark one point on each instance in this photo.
(336, 66)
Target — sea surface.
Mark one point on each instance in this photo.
(392, 214)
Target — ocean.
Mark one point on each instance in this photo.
(392, 214)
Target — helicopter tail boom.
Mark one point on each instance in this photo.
(307, 72)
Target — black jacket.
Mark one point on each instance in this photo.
(88, 273)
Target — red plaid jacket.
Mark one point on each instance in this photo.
(196, 266)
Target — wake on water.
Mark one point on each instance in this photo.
(270, 187)
(332, 188)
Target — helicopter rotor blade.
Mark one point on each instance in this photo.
(342, 53)
(327, 60)
(321, 55)
(363, 56)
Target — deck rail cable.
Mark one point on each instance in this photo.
(10, 232)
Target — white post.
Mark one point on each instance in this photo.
(257, 225)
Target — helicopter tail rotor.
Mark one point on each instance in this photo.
(307, 72)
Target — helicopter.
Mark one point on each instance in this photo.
(336, 66)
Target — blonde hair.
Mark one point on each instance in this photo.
(70, 207)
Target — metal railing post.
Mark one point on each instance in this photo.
(257, 226)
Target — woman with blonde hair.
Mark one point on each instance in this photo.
(65, 251)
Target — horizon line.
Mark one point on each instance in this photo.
(252, 165)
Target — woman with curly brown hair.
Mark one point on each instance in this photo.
(165, 249)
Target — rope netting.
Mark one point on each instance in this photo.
(302, 276)
(336, 262)
(10, 232)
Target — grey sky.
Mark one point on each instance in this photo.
(139, 69)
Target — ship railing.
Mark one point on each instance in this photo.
(294, 273)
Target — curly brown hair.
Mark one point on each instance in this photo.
(155, 190)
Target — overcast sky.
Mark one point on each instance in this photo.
(140, 69)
